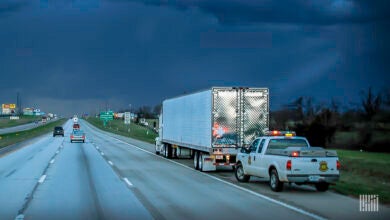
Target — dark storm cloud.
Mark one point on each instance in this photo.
(82, 54)
(10, 6)
(324, 12)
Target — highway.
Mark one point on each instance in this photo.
(23, 127)
(113, 177)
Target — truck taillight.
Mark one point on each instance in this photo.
(71, 136)
(288, 165)
(295, 154)
(338, 165)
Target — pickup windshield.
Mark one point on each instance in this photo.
(284, 143)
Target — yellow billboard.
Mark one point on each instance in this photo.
(10, 106)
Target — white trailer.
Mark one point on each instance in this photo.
(209, 126)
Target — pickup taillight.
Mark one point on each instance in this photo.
(338, 165)
(288, 165)
(295, 154)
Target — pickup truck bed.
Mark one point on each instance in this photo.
(288, 159)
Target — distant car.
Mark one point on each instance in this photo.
(76, 126)
(58, 131)
(77, 135)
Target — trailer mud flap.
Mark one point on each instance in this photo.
(208, 164)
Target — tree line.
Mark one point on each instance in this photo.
(366, 126)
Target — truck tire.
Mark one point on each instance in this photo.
(274, 182)
(322, 187)
(169, 151)
(201, 161)
(196, 160)
(240, 175)
(166, 150)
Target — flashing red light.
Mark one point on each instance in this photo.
(288, 165)
(338, 165)
(295, 154)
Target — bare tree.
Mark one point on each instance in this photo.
(371, 103)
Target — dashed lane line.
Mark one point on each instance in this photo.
(128, 182)
(293, 208)
(42, 179)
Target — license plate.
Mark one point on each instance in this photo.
(219, 157)
(314, 178)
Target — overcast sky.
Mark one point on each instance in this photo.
(74, 56)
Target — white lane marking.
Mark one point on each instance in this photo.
(102, 153)
(52, 161)
(110, 163)
(128, 182)
(233, 185)
(19, 217)
(97, 147)
(42, 179)
(57, 152)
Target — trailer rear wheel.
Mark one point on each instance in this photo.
(196, 160)
(200, 161)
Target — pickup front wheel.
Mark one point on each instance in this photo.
(274, 182)
(240, 175)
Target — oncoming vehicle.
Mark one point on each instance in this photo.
(58, 130)
(285, 158)
(77, 135)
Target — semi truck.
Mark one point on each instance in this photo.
(211, 125)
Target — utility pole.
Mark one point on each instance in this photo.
(18, 104)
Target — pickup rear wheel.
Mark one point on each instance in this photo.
(274, 182)
(322, 187)
(240, 175)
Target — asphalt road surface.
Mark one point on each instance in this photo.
(112, 177)
(23, 127)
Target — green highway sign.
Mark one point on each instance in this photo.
(107, 116)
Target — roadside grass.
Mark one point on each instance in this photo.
(364, 173)
(16, 137)
(24, 119)
(118, 127)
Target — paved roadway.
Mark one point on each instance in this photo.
(23, 127)
(112, 177)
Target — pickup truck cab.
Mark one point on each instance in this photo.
(285, 158)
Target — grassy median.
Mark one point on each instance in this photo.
(24, 119)
(16, 137)
(364, 173)
(133, 130)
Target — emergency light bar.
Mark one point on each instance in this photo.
(281, 133)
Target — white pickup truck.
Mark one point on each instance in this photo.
(283, 157)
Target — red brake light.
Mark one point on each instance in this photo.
(338, 165)
(71, 136)
(295, 154)
(288, 165)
